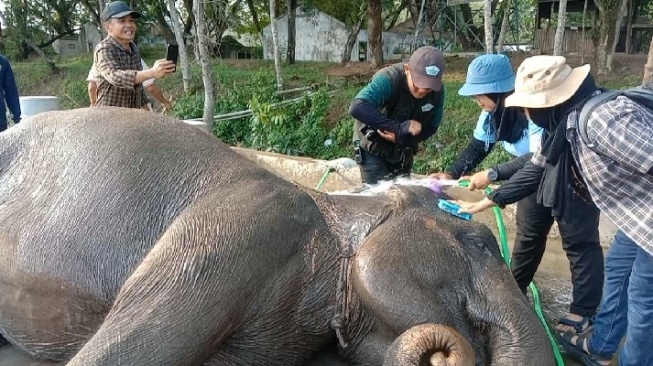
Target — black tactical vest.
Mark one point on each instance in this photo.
(401, 107)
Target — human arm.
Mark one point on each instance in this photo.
(158, 95)
(477, 149)
(469, 158)
(107, 65)
(92, 92)
(11, 91)
(366, 107)
(621, 131)
(522, 184)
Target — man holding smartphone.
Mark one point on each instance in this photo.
(148, 84)
(117, 61)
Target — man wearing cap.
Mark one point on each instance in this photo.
(491, 81)
(400, 107)
(118, 63)
(616, 171)
(148, 84)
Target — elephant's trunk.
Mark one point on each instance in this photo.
(430, 344)
(516, 335)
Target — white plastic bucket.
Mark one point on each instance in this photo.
(199, 124)
(32, 105)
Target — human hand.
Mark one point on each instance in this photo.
(474, 207)
(479, 180)
(166, 107)
(414, 128)
(162, 68)
(442, 176)
(390, 136)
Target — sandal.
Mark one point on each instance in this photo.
(577, 350)
(580, 327)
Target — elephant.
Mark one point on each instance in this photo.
(131, 238)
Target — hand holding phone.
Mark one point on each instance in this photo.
(172, 54)
(162, 68)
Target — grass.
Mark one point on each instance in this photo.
(236, 79)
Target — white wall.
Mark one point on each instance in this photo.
(66, 47)
(319, 38)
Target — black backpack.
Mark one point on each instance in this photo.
(642, 95)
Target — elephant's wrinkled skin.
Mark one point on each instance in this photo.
(129, 238)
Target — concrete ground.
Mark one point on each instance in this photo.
(552, 277)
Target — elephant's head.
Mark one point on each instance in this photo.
(424, 283)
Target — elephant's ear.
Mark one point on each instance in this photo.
(351, 218)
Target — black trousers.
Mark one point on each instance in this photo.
(374, 168)
(580, 241)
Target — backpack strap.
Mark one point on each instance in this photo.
(588, 108)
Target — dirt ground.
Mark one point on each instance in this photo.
(624, 65)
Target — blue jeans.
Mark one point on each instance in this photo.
(627, 305)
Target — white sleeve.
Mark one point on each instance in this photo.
(147, 82)
(91, 74)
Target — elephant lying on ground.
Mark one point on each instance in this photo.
(130, 238)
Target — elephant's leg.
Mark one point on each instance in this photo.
(186, 297)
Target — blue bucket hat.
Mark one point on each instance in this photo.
(488, 74)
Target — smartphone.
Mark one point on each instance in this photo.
(172, 54)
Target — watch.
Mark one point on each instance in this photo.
(492, 174)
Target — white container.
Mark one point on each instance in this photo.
(32, 105)
(199, 124)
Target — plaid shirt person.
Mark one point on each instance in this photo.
(116, 69)
(617, 175)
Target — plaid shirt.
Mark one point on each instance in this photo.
(116, 69)
(615, 167)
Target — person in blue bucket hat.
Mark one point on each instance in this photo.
(490, 80)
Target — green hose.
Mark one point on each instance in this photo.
(503, 238)
(324, 178)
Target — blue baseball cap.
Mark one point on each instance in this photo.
(489, 74)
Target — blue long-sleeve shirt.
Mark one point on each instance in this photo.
(9, 90)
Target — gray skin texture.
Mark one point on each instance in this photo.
(131, 238)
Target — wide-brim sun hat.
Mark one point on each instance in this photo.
(488, 74)
(546, 81)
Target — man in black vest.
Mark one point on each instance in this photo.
(400, 107)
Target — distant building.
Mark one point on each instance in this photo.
(240, 46)
(320, 37)
(633, 37)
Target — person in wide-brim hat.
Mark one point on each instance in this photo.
(491, 82)
(610, 166)
(546, 81)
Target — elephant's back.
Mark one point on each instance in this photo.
(84, 197)
(92, 189)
